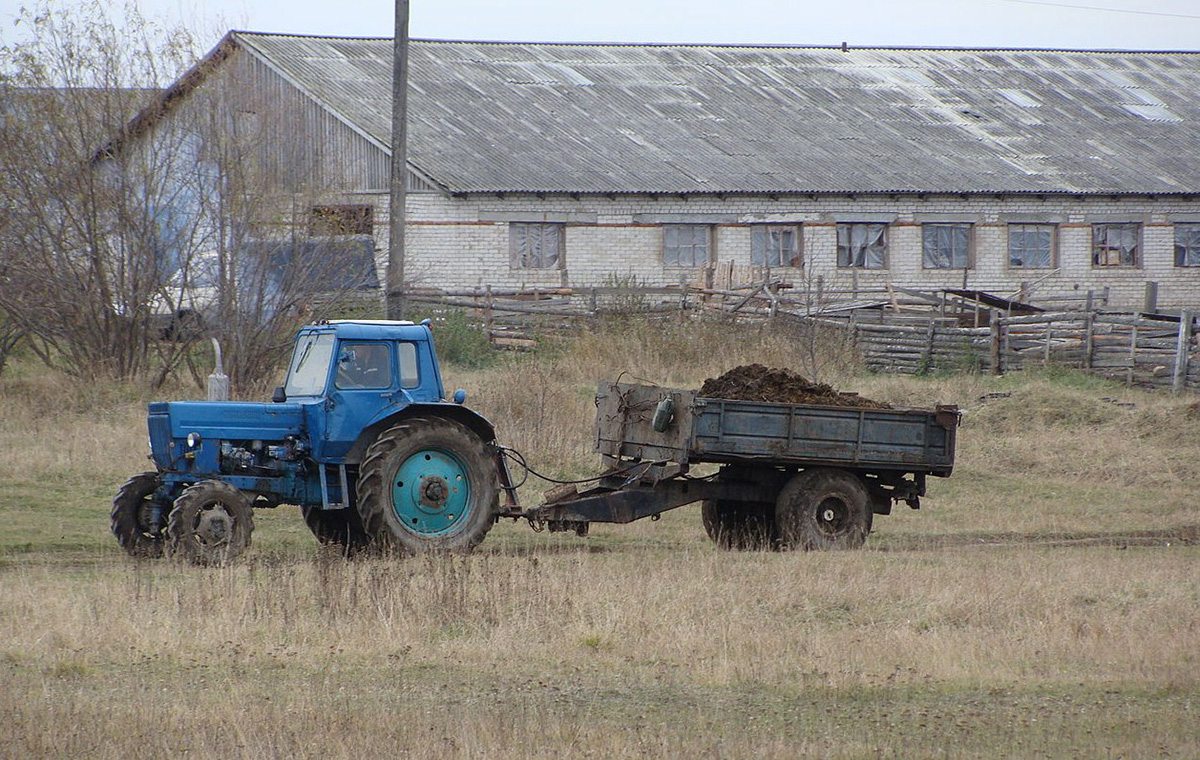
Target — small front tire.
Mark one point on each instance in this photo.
(131, 519)
(210, 524)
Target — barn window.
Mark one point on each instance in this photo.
(1031, 246)
(1187, 245)
(775, 245)
(324, 221)
(1116, 245)
(686, 245)
(861, 245)
(536, 245)
(946, 246)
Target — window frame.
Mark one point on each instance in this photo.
(968, 253)
(344, 381)
(1052, 253)
(1097, 249)
(409, 360)
(770, 254)
(1181, 252)
(308, 372)
(518, 260)
(846, 261)
(708, 231)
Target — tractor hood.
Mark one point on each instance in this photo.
(171, 422)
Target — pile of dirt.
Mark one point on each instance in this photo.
(754, 382)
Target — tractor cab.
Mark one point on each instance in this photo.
(349, 375)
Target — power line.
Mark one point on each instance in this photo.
(1098, 8)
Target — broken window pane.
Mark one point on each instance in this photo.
(536, 246)
(1031, 246)
(946, 246)
(324, 221)
(775, 245)
(1187, 245)
(1116, 245)
(862, 245)
(685, 245)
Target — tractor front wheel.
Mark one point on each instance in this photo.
(131, 517)
(428, 484)
(210, 524)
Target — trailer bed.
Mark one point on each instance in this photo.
(725, 431)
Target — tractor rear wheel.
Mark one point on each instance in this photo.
(130, 518)
(739, 525)
(337, 527)
(823, 508)
(428, 484)
(210, 524)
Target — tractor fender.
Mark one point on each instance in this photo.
(472, 420)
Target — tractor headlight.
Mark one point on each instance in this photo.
(193, 440)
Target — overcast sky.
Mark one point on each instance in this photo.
(1129, 25)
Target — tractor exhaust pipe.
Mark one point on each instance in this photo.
(218, 381)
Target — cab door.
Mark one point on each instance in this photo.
(364, 382)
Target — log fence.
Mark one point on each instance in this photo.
(895, 331)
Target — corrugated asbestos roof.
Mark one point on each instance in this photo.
(514, 117)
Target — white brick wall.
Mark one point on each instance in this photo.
(448, 246)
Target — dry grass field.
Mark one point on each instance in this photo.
(1044, 602)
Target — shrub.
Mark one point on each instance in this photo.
(461, 341)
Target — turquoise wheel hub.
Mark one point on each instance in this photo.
(431, 492)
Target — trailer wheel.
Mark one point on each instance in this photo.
(130, 518)
(823, 508)
(210, 524)
(428, 484)
(338, 527)
(739, 525)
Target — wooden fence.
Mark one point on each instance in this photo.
(895, 331)
(1135, 349)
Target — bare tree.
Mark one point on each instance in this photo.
(77, 244)
(137, 213)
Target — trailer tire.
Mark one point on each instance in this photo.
(128, 517)
(342, 528)
(823, 508)
(739, 525)
(211, 524)
(428, 484)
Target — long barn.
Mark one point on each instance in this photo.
(1047, 172)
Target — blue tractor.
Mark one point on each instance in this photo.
(361, 436)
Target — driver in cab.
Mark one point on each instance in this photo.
(364, 365)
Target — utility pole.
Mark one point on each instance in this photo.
(399, 178)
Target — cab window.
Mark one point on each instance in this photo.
(364, 366)
(310, 365)
(410, 377)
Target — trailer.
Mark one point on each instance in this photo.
(790, 476)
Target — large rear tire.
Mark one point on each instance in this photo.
(428, 484)
(210, 524)
(823, 508)
(337, 527)
(739, 525)
(130, 518)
